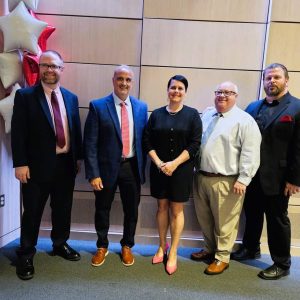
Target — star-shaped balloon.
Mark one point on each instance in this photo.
(10, 68)
(31, 68)
(21, 30)
(42, 41)
(31, 4)
(6, 107)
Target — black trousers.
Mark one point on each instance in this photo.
(275, 207)
(35, 195)
(130, 189)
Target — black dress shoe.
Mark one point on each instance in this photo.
(25, 269)
(274, 272)
(243, 253)
(66, 252)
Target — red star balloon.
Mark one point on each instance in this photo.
(31, 68)
(42, 41)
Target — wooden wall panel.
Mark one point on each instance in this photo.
(213, 10)
(202, 44)
(283, 45)
(92, 81)
(286, 11)
(96, 40)
(10, 188)
(202, 83)
(98, 8)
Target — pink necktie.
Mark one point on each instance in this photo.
(124, 129)
(60, 135)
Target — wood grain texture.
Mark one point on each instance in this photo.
(96, 40)
(202, 44)
(98, 8)
(212, 10)
(202, 83)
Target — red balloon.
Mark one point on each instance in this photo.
(31, 68)
(42, 41)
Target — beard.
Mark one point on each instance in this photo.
(46, 78)
(274, 90)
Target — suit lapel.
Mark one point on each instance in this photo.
(257, 108)
(113, 113)
(43, 101)
(68, 106)
(135, 115)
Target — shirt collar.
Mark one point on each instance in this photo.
(48, 90)
(227, 113)
(118, 101)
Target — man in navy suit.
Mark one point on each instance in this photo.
(47, 148)
(107, 163)
(278, 177)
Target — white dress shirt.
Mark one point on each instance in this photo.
(233, 147)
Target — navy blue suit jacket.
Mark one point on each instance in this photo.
(103, 143)
(280, 147)
(32, 133)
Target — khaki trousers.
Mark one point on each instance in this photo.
(218, 211)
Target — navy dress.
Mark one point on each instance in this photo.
(170, 134)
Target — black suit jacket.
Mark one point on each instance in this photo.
(280, 147)
(33, 136)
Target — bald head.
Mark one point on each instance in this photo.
(225, 96)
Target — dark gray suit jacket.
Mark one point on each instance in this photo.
(280, 147)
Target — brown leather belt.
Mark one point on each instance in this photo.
(208, 174)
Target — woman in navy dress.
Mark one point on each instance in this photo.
(172, 138)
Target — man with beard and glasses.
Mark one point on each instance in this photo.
(46, 149)
(278, 177)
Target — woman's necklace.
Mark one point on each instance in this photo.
(173, 113)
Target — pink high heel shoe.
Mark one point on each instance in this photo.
(171, 269)
(159, 259)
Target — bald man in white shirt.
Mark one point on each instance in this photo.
(229, 158)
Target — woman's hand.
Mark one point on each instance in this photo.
(169, 167)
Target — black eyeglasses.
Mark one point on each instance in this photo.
(225, 93)
(51, 67)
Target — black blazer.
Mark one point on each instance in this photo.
(32, 132)
(280, 147)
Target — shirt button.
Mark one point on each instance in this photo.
(172, 150)
(171, 129)
(171, 140)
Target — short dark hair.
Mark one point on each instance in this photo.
(180, 78)
(274, 66)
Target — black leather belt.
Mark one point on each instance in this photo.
(127, 159)
(63, 155)
(208, 174)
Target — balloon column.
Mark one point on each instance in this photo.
(24, 38)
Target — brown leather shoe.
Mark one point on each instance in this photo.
(127, 257)
(99, 258)
(217, 267)
(202, 255)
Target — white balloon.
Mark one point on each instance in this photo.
(21, 30)
(6, 107)
(31, 4)
(10, 68)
